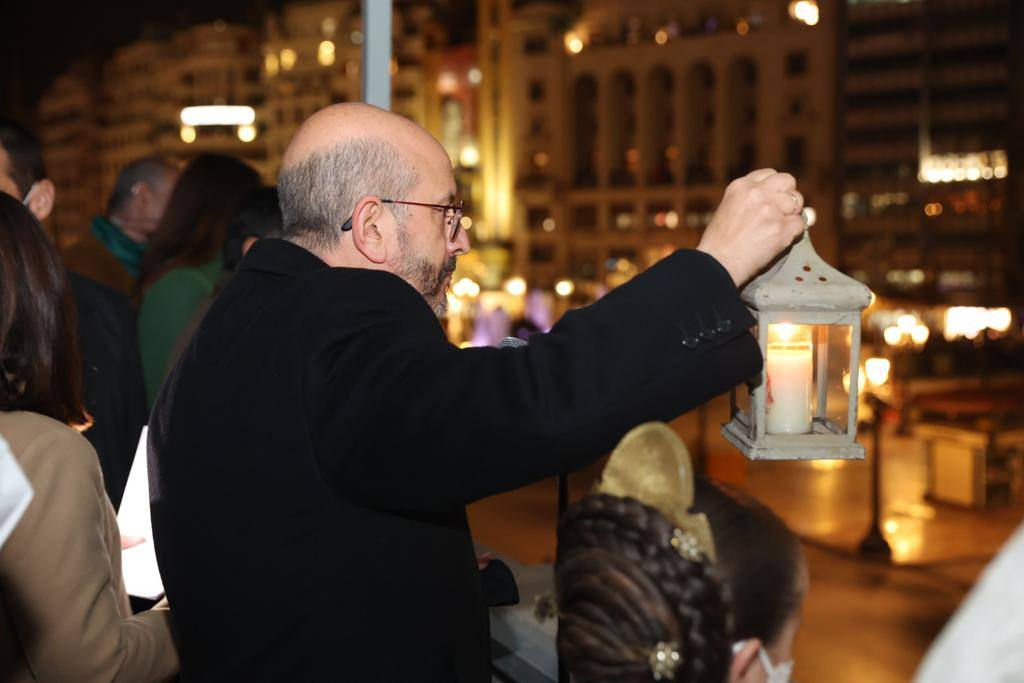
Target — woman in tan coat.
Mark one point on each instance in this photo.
(64, 613)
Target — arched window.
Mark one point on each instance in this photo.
(700, 123)
(742, 118)
(661, 150)
(584, 121)
(625, 157)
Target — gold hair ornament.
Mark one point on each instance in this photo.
(664, 660)
(652, 465)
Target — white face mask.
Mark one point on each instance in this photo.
(777, 673)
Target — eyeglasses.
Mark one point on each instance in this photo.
(452, 215)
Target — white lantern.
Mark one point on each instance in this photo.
(808, 327)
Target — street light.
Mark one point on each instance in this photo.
(877, 371)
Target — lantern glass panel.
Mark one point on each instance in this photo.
(832, 355)
(805, 365)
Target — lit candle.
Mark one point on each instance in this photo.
(790, 367)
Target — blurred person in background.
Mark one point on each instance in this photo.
(111, 369)
(182, 265)
(258, 216)
(111, 252)
(64, 613)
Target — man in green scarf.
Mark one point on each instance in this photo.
(112, 250)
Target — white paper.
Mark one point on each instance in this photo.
(138, 563)
(15, 492)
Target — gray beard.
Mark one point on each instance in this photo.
(424, 277)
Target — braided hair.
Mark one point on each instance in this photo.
(622, 589)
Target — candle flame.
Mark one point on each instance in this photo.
(784, 332)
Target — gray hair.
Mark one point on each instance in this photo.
(318, 194)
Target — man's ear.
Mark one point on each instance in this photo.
(40, 203)
(142, 194)
(744, 661)
(367, 236)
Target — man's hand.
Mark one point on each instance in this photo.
(482, 561)
(758, 218)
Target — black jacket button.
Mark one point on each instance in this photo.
(724, 326)
(691, 342)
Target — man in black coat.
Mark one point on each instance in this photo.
(111, 378)
(313, 451)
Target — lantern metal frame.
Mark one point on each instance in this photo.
(801, 289)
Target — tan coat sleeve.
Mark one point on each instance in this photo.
(64, 592)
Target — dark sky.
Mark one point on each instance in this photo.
(39, 38)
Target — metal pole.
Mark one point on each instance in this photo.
(874, 543)
(563, 503)
(377, 53)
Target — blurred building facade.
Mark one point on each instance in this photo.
(311, 58)
(95, 121)
(610, 131)
(926, 146)
(132, 108)
(591, 138)
(70, 132)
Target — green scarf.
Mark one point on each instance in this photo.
(128, 251)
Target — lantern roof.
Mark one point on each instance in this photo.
(801, 281)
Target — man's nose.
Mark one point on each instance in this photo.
(461, 244)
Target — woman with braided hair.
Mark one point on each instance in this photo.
(685, 581)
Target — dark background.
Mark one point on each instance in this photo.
(38, 40)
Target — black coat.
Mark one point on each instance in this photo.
(312, 453)
(111, 378)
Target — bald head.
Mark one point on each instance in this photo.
(346, 152)
(339, 123)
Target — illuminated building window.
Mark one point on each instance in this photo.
(885, 202)
(325, 53)
(623, 216)
(852, 205)
(271, 64)
(620, 266)
(699, 213)
(662, 217)
(951, 280)
(288, 59)
(535, 217)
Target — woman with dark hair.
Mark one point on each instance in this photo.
(64, 613)
(644, 595)
(183, 262)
